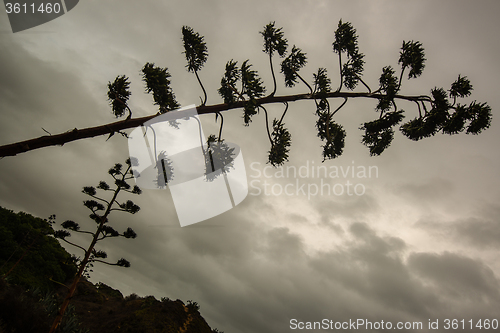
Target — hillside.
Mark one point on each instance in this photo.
(31, 260)
(29, 256)
(101, 308)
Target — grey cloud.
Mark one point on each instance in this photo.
(460, 277)
(284, 245)
(271, 279)
(352, 207)
(482, 230)
(426, 192)
(478, 232)
(36, 94)
(372, 266)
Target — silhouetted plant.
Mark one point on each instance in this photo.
(219, 158)
(274, 41)
(157, 82)
(252, 87)
(280, 143)
(291, 65)
(165, 170)
(346, 41)
(100, 211)
(333, 134)
(379, 133)
(192, 306)
(438, 111)
(132, 297)
(196, 53)
(228, 82)
(412, 56)
(118, 95)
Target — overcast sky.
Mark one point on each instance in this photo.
(422, 243)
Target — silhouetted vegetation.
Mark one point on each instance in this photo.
(28, 257)
(100, 211)
(29, 299)
(242, 88)
(20, 311)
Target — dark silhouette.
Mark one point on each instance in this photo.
(104, 230)
(437, 111)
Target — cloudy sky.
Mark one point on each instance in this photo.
(422, 242)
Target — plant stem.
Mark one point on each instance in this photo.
(90, 132)
(367, 87)
(305, 82)
(340, 107)
(202, 88)
(284, 112)
(221, 125)
(272, 72)
(267, 125)
(340, 71)
(401, 78)
(85, 260)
